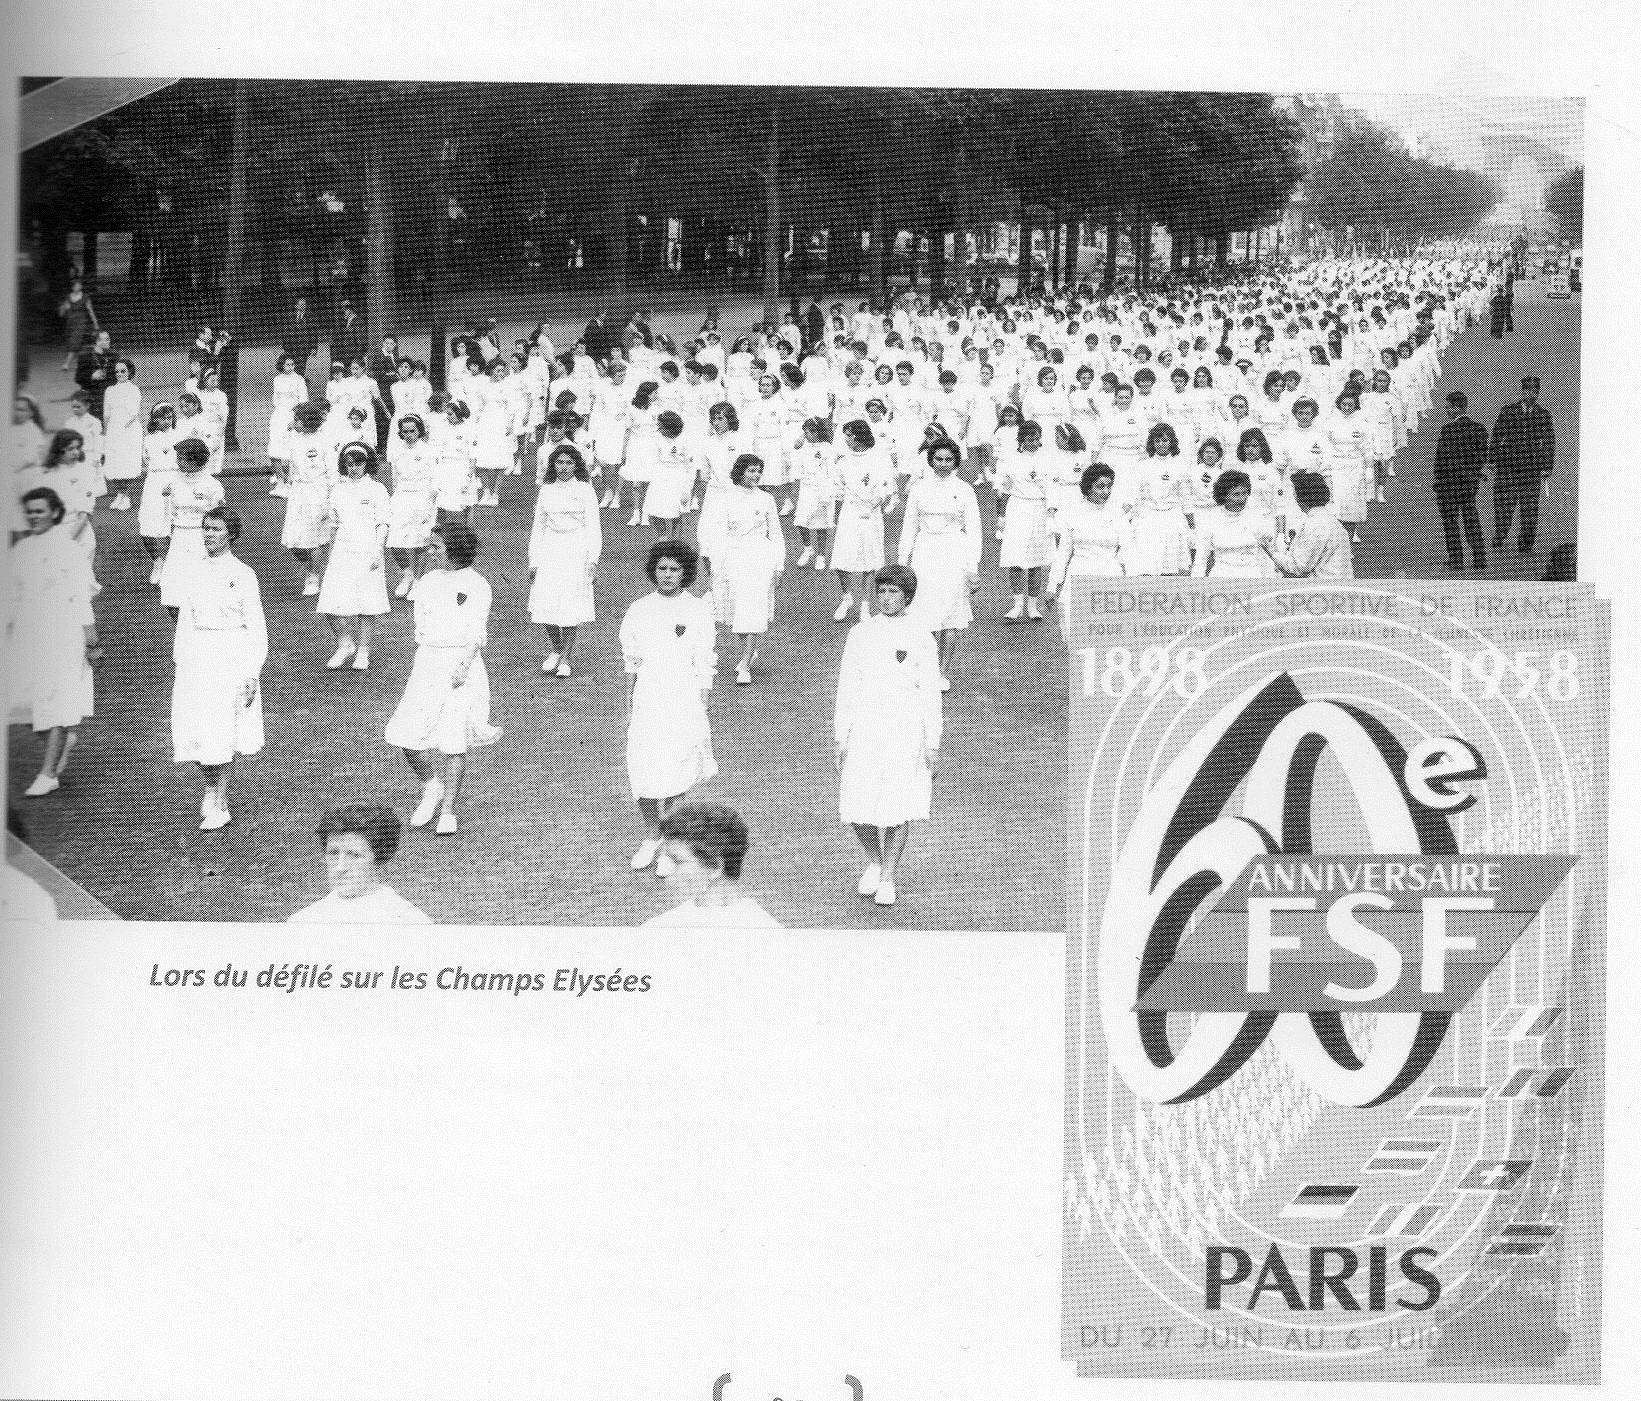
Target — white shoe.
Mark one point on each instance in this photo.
(154, 573)
(636, 519)
(665, 865)
(885, 893)
(820, 564)
(865, 609)
(787, 509)
(207, 802)
(843, 608)
(945, 684)
(339, 658)
(1033, 612)
(647, 851)
(361, 660)
(310, 586)
(446, 825)
(997, 534)
(551, 664)
(402, 589)
(279, 490)
(869, 880)
(432, 796)
(563, 671)
(743, 676)
(1390, 469)
(43, 783)
(122, 502)
(215, 818)
(415, 584)
(1013, 615)
(805, 556)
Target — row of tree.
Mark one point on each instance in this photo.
(223, 186)
(1565, 200)
(1373, 189)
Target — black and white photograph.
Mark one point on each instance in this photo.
(535, 460)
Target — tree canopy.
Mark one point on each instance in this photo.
(1565, 200)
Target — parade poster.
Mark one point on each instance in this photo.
(1335, 981)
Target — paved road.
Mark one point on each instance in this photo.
(1404, 536)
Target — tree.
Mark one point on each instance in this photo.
(1565, 200)
(1372, 185)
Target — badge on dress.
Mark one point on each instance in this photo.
(678, 628)
(900, 655)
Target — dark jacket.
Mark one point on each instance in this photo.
(348, 343)
(94, 384)
(300, 338)
(598, 338)
(1524, 441)
(1461, 453)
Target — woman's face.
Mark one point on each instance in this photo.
(438, 557)
(943, 462)
(350, 865)
(38, 515)
(1239, 407)
(1210, 456)
(688, 877)
(1305, 416)
(356, 370)
(1124, 398)
(669, 576)
(209, 380)
(891, 602)
(767, 386)
(883, 374)
(213, 531)
(1030, 442)
(1099, 491)
(409, 434)
(122, 372)
(74, 452)
(1236, 498)
(353, 466)
(166, 419)
(563, 467)
(752, 477)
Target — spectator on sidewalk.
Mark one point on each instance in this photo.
(1461, 458)
(300, 337)
(1522, 454)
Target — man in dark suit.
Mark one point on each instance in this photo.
(598, 338)
(227, 356)
(1522, 454)
(1461, 458)
(347, 342)
(94, 371)
(300, 338)
(814, 322)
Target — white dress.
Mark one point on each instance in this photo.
(452, 615)
(715, 456)
(289, 390)
(221, 643)
(941, 540)
(670, 646)
(307, 508)
(159, 465)
(1162, 539)
(816, 469)
(351, 587)
(672, 479)
(192, 495)
(50, 680)
(565, 543)
(1024, 478)
(868, 483)
(887, 716)
(1235, 543)
(1095, 542)
(745, 913)
(415, 490)
(122, 434)
(384, 905)
(753, 553)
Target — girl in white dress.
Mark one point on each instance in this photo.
(70, 477)
(1270, 490)
(90, 430)
(609, 405)
(715, 456)
(446, 704)
(941, 541)
(868, 485)
(415, 467)
(1233, 542)
(289, 390)
(886, 729)
(307, 527)
(122, 434)
(214, 410)
(494, 435)
(668, 639)
(643, 437)
(192, 494)
(704, 845)
(767, 429)
(1069, 458)
(672, 477)
(1123, 445)
(1026, 552)
(410, 393)
(455, 452)
(745, 578)
(1350, 467)
(51, 635)
(354, 592)
(159, 466)
(819, 487)
(1162, 534)
(566, 542)
(1096, 538)
(220, 645)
